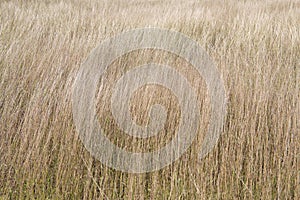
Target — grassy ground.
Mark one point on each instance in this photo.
(256, 47)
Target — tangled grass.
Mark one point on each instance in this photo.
(256, 47)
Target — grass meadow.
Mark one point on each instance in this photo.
(255, 44)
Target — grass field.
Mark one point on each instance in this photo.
(255, 44)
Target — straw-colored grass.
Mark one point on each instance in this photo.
(256, 47)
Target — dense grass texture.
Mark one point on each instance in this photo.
(255, 44)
